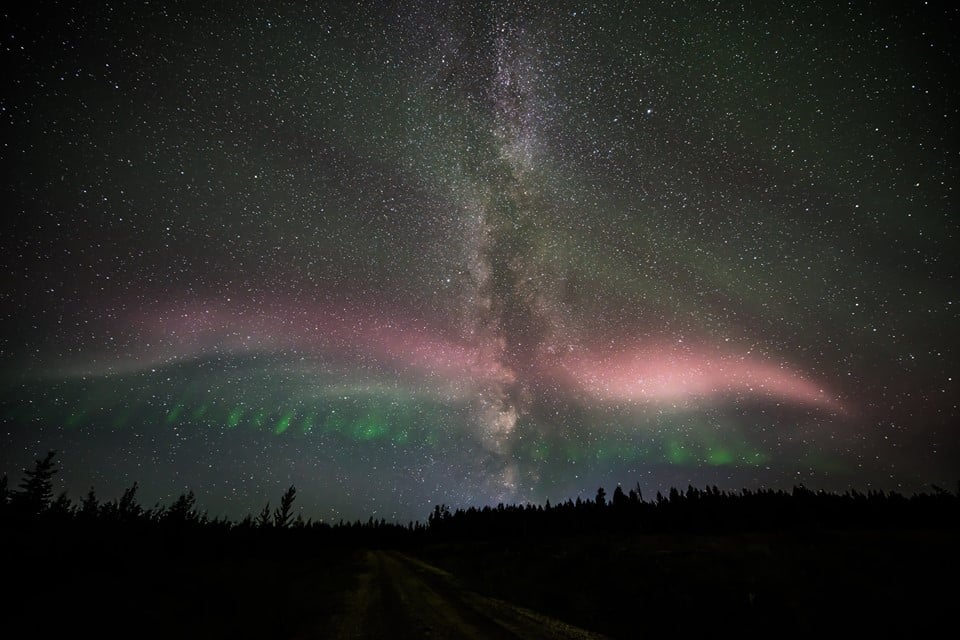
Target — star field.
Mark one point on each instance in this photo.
(402, 254)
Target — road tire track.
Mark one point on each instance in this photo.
(403, 597)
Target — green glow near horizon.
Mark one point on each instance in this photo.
(174, 413)
(375, 415)
(284, 423)
(200, 411)
(676, 453)
(719, 457)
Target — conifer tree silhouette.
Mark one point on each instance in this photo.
(4, 493)
(127, 508)
(36, 487)
(61, 507)
(263, 520)
(182, 511)
(619, 498)
(89, 507)
(282, 515)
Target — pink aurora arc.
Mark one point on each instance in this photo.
(668, 374)
(633, 373)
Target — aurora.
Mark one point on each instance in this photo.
(471, 254)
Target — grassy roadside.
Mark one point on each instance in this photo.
(145, 586)
(625, 586)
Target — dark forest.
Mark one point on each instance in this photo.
(809, 560)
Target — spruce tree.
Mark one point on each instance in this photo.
(282, 515)
(36, 487)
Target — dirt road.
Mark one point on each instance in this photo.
(402, 597)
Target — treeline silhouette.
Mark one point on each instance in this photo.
(32, 505)
(708, 510)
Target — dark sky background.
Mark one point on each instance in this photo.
(405, 253)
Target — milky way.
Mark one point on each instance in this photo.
(402, 254)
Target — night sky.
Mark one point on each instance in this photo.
(408, 253)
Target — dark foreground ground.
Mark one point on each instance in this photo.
(894, 584)
(897, 584)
